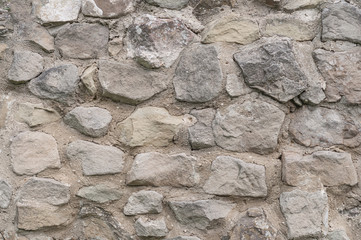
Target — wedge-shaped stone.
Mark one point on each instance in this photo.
(298, 4)
(201, 134)
(171, 4)
(144, 202)
(5, 194)
(107, 8)
(56, 11)
(36, 114)
(99, 193)
(151, 228)
(25, 66)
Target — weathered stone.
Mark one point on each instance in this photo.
(5, 194)
(3, 48)
(313, 95)
(96, 159)
(158, 169)
(298, 4)
(201, 214)
(144, 202)
(91, 121)
(25, 66)
(107, 8)
(205, 8)
(198, 77)
(171, 4)
(231, 28)
(341, 72)
(149, 126)
(232, 176)
(56, 11)
(87, 78)
(99, 193)
(250, 126)
(269, 65)
(95, 229)
(184, 238)
(341, 21)
(306, 213)
(201, 134)
(156, 42)
(82, 40)
(235, 86)
(36, 114)
(150, 228)
(33, 152)
(129, 83)
(337, 235)
(57, 83)
(39, 36)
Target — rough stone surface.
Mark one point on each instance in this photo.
(201, 214)
(232, 176)
(33, 152)
(250, 126)
(201, 134)
(299, 4)
(144, 202)
(149, 126)
(96, 159)
(107, 8)
(99, 193)
(82, 40)
(150, 228)
(39, 36)
(171, 4)
(184, 238)
(91, 121)
(129, 83)
(58, 83)
(156, 42)
(205, 8)
(56, 11)
(270, 66)
(25, 66)
(158, 169)
(36, 114)
(306, 213)
(87, 78)
(5, 194)
(198, 77)
(235, 86)
(337, 235)
(341, 21)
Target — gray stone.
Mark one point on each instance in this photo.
(306, 213)
(33, 152)
(25, 66)
(201, 134)
(144, 202)
(57, 83)
(250, 126)
(233, 177)
(82, 40)
(150, 228)
(91, 121)
(156, 42)
(36, 114)
(298, 4)
(201, 214)
(337, 235)
(107, 8)
(39, 36)
(235, 86)
(96, 159)
(158, 169)
(87, 78)
(206, 8)
(129, 83)
(184, 238)
(56, 11)
(5, 194)
(313, 95)
(269, 65)
(99, 193)
(171, 4)
(341, 21)
(198, 77)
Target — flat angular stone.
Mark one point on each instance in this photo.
(270, 66)
(250, 126)
(184, 238)
(99, 193)
(341, 21)
(233, 177)
(171, 4)
(96, 159)
(306, 213)
(5, 194)
(36, 114)
(206, 8)
(25, 66)
(82, 40)
(34, 152)
(58, 83)
(91, 121)
(39, 36)
(129, 83)
(337, 235)
(144, 202)
(298, 4)
(150, 228)
(201, 214)
(235, 86)
(87, 78)
(156, 42)
(107, 8)
(201, 134)
(198, 77)
(156, 169)
(56, 11)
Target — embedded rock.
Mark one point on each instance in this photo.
(25, 66)
(99, 193)
(144, 202)
(39, 36)
(299, 4)
(5, 194)
(205, 8)
(235, 86)
(36, 114)
(171, 4)
(56, 11)
(184, 238)
(87, 78)
(337, 235)
(201, 134)
(107, 8)
(150, 228)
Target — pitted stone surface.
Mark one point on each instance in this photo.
(99, 193)
(201, 134)
(5, 194)
(144, 202)
(25, 66)
(107, 8)
(150, 228)
(56, 11)
(171, 4)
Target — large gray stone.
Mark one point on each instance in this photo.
(232, 176)
(91, 121)
(150, 228)
(270, 66)
(56, 11)
(250, 126)
(201, 134)
(36, 114)
(144, 202)
(129, 83)
(99, 193)
(34, 152)
(5, 194)
(82, 40)
(198, 77)
(107, 8)
(156, 169)
(39, 36)
(96, 159)
(171, 4)
(25, 66)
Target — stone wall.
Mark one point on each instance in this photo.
(180, 119)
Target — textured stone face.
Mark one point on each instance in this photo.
(184, 238)
(39, 36)
(171, 4)
(107, 8)
(25, 66)
(144, 202)
(5, 194)
(56, 11)
(201, 134)
(270, 66)
(99, 193)
(150, 228)
(36, 114)
(298, 4)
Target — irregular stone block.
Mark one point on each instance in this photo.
(5, 194)
(236, 87)
(171, 4)
(96, 159)
(249, 126)
(33, 152)
(56, 11)
(144, 202)
(87, 78)
(36, 114)
(201, 134)
(150, 228)
(39, 36)
(171, 170)
(184, 238)
(337, 235)
(206, 8)
(107, 8)
(25, 66)
(298, 4)
(99, 193)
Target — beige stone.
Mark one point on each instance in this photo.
(36, 114)
(87, 78)
(55, 11)
(297, 4)
(3, 48)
